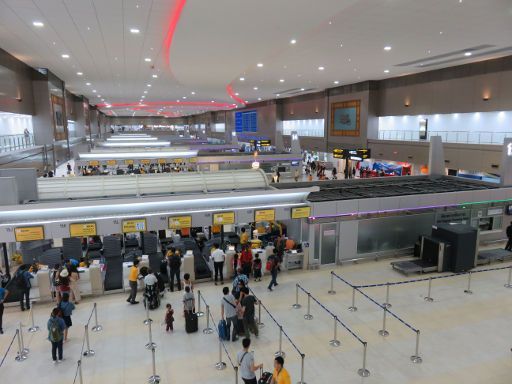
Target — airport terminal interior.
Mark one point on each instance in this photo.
(255, 192)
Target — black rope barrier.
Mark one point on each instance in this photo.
(9, 347)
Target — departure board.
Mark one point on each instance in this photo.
(246, 121)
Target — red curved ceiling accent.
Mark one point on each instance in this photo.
(173, 22)
(185, 104)
(231, 93)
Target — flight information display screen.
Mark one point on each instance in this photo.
(246, 121)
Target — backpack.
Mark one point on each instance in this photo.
(20, 281)
(55, 331)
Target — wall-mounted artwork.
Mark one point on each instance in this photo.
(345, 118)
(59, 130)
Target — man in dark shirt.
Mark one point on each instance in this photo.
(508, 247)
(248, 302)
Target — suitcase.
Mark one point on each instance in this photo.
(223, 330)
(266, 378)
(191, 323)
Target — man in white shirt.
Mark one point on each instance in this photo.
(218, 258)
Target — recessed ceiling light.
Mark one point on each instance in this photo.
(184, 97)
(255, 88)
(145, 91)
(213, 101)
(38, 24)
(134, 30)
(87, 83)
(148, 85)
(259, 65)
(387, 48)
(336, 82)
(65, 56)
(192, 93)
(277, 94)
(293, 41)
(281, 80)
(102, 99)
(147, 60)
(321, 68)
(155, 76)
(79, 73)
(242, 79)
(99, 96)
(143, 97)
(236, 94)
(302, 89)
(93, 91)
(259, 98)
(386, 71)
(467, 53)
(441, 32)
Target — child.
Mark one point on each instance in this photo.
(66, 309)
(187, 282)
(256, 266)
(169, 318)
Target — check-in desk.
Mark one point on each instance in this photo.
(293, 259)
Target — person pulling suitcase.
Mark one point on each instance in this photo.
(246, 364)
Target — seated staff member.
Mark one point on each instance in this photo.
(244, 237)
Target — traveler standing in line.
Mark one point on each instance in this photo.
(246, 363)
(56, 327)
(132, 280)
(169, 318)
(187, 282)
(239, 282)
(228, 313)
(218, 258)
(23, 277)
(280, 375)
(74, 276)
(63, 284)
(3, 295)
(248, 302)
(189, 302)
(246, 260)
(54, 280)
(508, 247)
(174, 270)
(66, 309)
(274, 266)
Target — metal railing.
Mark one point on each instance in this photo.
(10, 143)
(463, 137)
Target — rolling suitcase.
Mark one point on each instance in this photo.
(223, 330)
(191, 324)
(265, 377)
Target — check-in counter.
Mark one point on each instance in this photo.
(293, 259)
(188, 265)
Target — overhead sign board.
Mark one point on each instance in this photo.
(111, 163)
(135, 225)
(264, 215)
(145, 162)
(178, 222)
(354, 154)
(301, 212)
(128, 162)
(162, 161)
(94, 163)
(224, 218)
(29, 233)
(82, 229)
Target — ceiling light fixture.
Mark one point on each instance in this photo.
(147, 60)
(321, 68)
(155, 76)
(134, 30)
(255, 88)
(302, 89)
(93, 91)
(65, 56)
(293, 41)
(192, 93)
(87, 83)
(148, 85)
(242, 79)
(467, 54)
(259, 98)
(259, 65)
(387, 48)
(80, 73)
(386, 71)
(38, 24)
(184, 97)
(145, 91)
(281, 80)
(336, 82)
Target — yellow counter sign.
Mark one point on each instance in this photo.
(145, 162)
(29, 233)
(128, 162)
(301, 212)
(94, 163)
(82, 230)
(162, 161)
(179, 222)
(264, 215)
(224, 218)
(137, 225)
(111, 163)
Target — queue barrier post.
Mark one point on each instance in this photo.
(509, 280)
(208, 330)
(148, 319)
(309, 316)
(236, 375)
(353, 307)
(88, 352)
(428, 297)
(332, 291)
(363, 372)
(297, 305)
(96, 327)
(335, 342)
(20, 356)
(220, 365)
(199, 313)
(150, 344)
(24, 349)
(386, 303)
(383, 332)
(302, 357)
(416, 358)
(260, 324)
(80, 377)
(33, 328)
(154, 378)
(280, 352)
(468, 289)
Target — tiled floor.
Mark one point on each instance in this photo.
(464, 338)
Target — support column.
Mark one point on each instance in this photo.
(506, 163)
(436, 166)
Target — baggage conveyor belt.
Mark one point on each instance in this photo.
(413, 266)
(490, 255)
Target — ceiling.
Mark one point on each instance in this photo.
(200, 49)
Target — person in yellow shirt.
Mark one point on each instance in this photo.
(244, 237)
(132, 280)
(281, 375)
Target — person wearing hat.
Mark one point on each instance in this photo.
(63, 284)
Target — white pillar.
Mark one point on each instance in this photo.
(436, 164)
(506, 163)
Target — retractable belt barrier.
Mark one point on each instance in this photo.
(9, 347)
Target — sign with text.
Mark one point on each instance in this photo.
(264, 215)
(29, 233)
(162, 161)
(178, 222)
(111, 163)
(224, 218)
(145, 161)
(135, 225)
(94, 163)
(301, 212)
(128, 162)
(353, 154)
(82, 229)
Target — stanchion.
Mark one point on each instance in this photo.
(468, 290)
(20, 356)
(428, 297)
(509, 281)
(416, 357)
(280, 352)
(353, 307)
(154, 378)
(33, 328)
(150, 344)
(220, 365)
(24, 350)
(80, 377)
(332, 291)
(363, 372)
(236, 375)
(97, 327)
(335, 342)
(302, 356)
(386, 303)
(383, 331)
(199, 313)
(88, 352)
(309, 316)
(148, 319)
(297, 305)
(260, 324)
(207, 330)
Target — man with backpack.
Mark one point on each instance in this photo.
(174, 261)
(56, 327)
(23, 277)
(228, 313)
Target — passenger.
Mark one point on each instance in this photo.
(244, 237)
(66, 309)
(256, 268)
(296, 175)
(169, 318)
(23, 277)
(248, 302)
(189, 302)
(218, 257)
(150, 279)
(54, 280)
(280, 375)
(56, 327)
(132, 280)
(63, 284)
(240, 281)
(245, 361)
(228, 313)
(74, 276)
(274, 266)
(174, 262)
(187, 282)
(508, 247)
(246, 260)
(3, 295)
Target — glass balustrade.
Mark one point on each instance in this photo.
(10, 143)
(464, 137)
